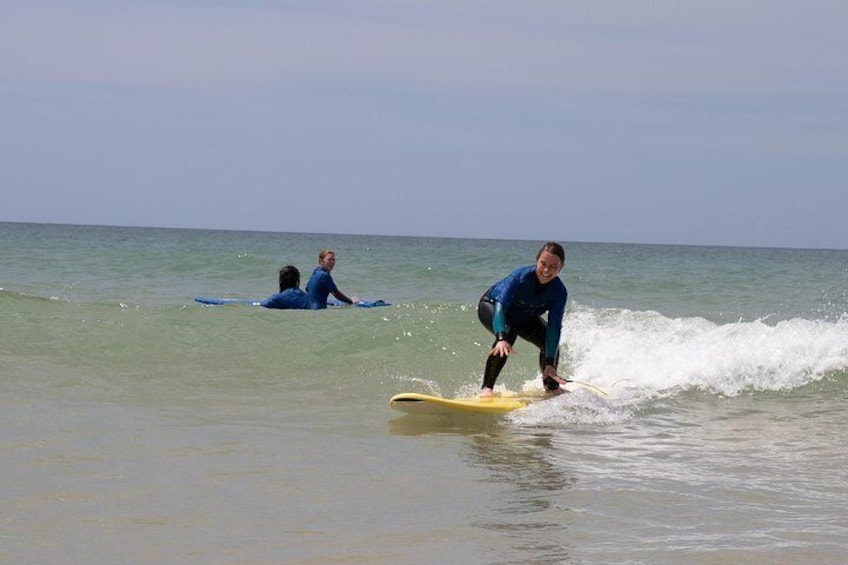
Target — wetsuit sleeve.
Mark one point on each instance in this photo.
(331, 284)
(554, 330)
(499, 320)
(272, 301)
(504, 292)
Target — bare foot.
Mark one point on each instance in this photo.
(487, 393)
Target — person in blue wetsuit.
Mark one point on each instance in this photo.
(321, 284)
(290, 297)
(513, 308)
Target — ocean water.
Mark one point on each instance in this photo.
(139, 426)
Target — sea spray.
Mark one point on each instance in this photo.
(661, 356)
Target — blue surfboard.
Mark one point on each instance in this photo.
(222, 301)
(256, 302)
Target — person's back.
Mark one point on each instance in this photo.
(290, 297)
(523, 297)
(320, 286)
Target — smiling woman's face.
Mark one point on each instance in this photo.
(548, 267)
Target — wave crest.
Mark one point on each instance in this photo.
(659, 356)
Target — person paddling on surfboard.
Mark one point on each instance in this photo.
(513, 307)
(321, 284)
(290, 295)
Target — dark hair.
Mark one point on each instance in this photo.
(289, 277)
(552, 247)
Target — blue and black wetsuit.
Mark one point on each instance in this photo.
(513, 307)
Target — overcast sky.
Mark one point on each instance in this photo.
(664, 121)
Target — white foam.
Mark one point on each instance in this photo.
(580, 407)
(652, 355)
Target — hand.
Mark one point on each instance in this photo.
(550, 371)
(502, 349)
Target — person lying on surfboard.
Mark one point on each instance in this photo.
(290, 295)
(513, 308)
(321, 284)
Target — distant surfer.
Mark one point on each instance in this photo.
(513, 308)
(321, 284)
(290, 297)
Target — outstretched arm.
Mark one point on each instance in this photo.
(341, 296)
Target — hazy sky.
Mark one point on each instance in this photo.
(665, 121)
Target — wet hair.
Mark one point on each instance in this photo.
(289, 277)
(552, 247)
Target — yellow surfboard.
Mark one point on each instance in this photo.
(416, 403)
